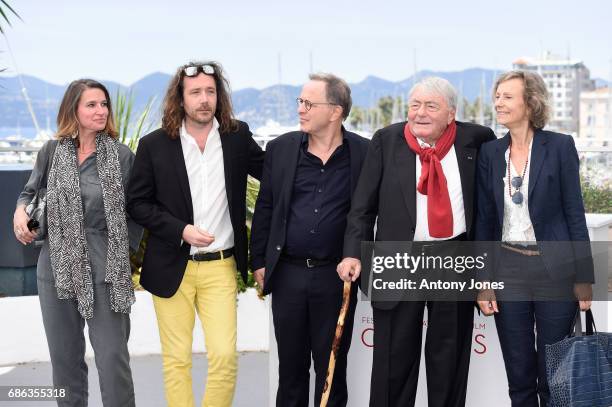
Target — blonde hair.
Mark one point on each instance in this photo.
(535, 95)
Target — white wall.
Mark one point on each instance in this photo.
(22, 338)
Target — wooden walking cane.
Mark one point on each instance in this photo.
(346, 296)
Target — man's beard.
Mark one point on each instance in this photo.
(197, 117)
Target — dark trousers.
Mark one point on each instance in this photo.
(522, 348)
(305, 307)
(108, 332)
(397, 353)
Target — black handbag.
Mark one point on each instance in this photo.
(37, 208)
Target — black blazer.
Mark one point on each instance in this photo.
(554, 199)
(273, 202)
(159, 199)
(386, 191)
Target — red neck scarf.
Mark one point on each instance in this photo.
(433, 182)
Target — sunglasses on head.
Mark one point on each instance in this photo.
(193, 70)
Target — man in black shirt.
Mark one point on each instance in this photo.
(297, 238)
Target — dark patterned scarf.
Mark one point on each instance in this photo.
(67, 243)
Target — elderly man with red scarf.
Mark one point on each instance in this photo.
(417, 184)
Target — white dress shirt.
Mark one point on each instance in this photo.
(517, 227)
(207, 184)
(455, 193)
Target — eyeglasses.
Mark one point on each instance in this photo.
(429, 106)
(308, 104)
(194, 69)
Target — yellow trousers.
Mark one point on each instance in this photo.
(208, 287)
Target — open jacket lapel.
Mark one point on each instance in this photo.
(498, 174)
(228, 160)
(355, 161)
(405, 163)
(538, 156)
(466, 161)
(181, 172)
(293, 152)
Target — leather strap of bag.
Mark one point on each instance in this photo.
(590, 323)
(47, 159)
(576, 329)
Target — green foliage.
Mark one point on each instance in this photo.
(385, 109)
(242, 287)
(129, 134)
(251, 197)
(596, 188)
(597, 199)
(136, 258)
(356, 116)
(130, 129)
(379, 116)
(5, 11)
(471, 111)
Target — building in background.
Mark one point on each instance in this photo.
(565, 79)
(596, 118)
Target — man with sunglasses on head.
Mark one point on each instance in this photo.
(296, 241)
(188, 188)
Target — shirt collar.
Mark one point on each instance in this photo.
(188, 138)
(424, 144)
(304, 139)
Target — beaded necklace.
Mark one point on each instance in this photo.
(516, 182)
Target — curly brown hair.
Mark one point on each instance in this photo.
(174, 113)
(67, 121)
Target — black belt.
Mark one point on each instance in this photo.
(434, 246)
(308, 263)
(222, 254)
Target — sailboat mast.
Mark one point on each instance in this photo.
(24, 91)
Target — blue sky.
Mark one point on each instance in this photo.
(125, 40)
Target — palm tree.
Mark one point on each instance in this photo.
(131, 127)
(5, 11)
